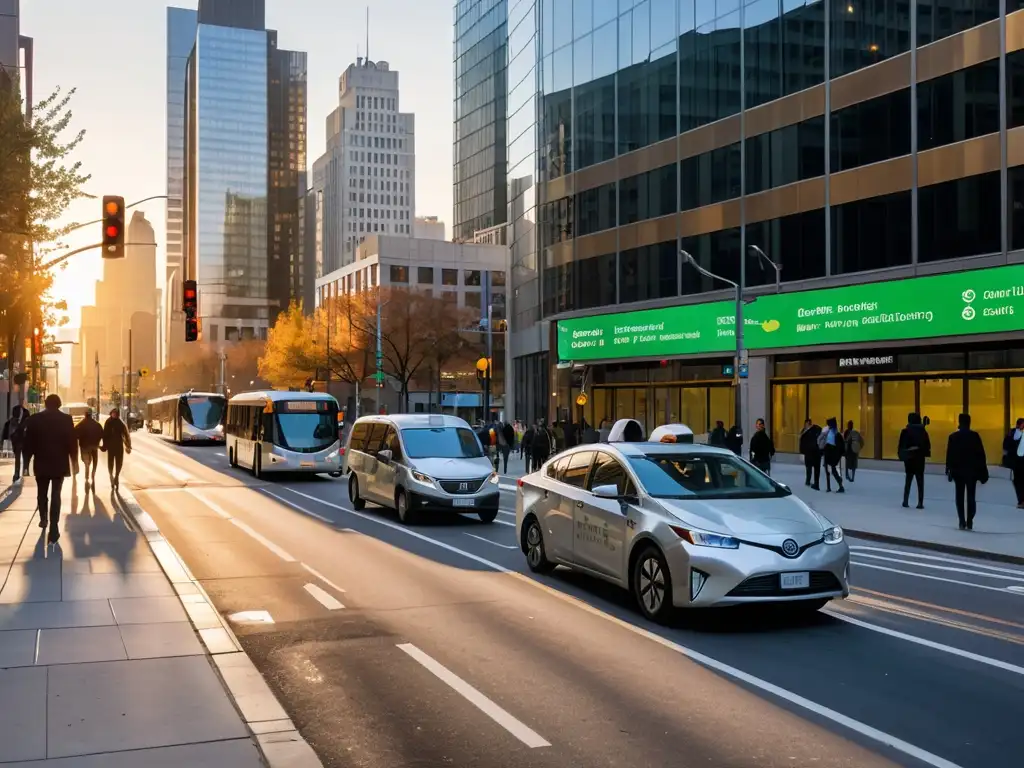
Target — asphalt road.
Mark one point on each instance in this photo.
(430, 646)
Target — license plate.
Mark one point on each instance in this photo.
(464, 502)
(307, 464)
(796, 580)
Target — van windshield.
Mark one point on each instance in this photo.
(441, 443)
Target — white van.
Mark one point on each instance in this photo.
(417, 463)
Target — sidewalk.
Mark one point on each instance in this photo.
(870, 508)
(99, 663)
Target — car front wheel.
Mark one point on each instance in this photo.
(358, 502)
(536, 555)
(488, 515)
(405, 513)
(652, 585)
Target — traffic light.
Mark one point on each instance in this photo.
(113, 227)
(190, 306)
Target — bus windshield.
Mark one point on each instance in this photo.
(202, 412)
(306, 426)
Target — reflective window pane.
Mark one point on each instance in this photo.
(871, 234)
(648, 272)
(937, 19)
(959, 218)
(870, 131)
(865, 32)
(958, 106)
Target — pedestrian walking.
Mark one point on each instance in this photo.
(526, 448)
(116, 441)
(854, 444)
(832, 453)
(590, 435)
(966, 466)
(762, 449)
(14, 430)
(89, 435)
(50, 442)
(913, 449)
(604, 431)
(718, 435)
(541, 445)
(508, 439)
(1013, 459)
(812, 454)
(734, 440)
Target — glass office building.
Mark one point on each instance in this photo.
(481, 91)
(873, 148)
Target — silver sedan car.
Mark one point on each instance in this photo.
(679, 526)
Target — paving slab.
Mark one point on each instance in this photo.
(17, 648)
(114, 585)
(237, 753)
(153, 641)
(54, 615)
(148, 610)
(23, 704)
(79, 645)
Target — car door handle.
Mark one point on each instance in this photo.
(579, 504)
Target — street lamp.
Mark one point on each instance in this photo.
(763, 257)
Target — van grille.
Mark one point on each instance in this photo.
(462, 486)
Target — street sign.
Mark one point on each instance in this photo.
(143, 372)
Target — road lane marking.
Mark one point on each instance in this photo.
(506, 487)
(942, 608)
(921, 556)
(1003, 665)
(323, 578)
(735, 673)
(510, 513)
(934, 617)
(1018, 590)
(516, 727)
(222, 455)
(504, 522)
(946, 568)
(481, 538)
(169, 469)
(284, 555)
(1004, 590)
(303, 510)
(251, 617)
(326, 600)
(217, 508)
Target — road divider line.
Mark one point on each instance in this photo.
(296, 507)
(1003, 665)
(217, 508)
(941, 608)
(1004, 590)
(263, 540)
(946, 568)
(869, 732)
(516, 727)
(505, 522)
(506, 486)
(921, 556)
(324, 579)
(481, 538)
(326, 600)
(169, 469)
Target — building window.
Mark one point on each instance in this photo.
(709, 81)
(399, 274)
(711, 177)
(871, 131)
(449, 277)
(937, 19)
(425, 275)
(958, 106)
(649, 272)
(473, 299)
(471, 276)
(871, 234)
(647, 100)
(1015, 88)
(959, 218)
(798, 241)
(596, 282)
(497, 278)
(786, 155)
(595, 209)
(865, 32)
(648, 195)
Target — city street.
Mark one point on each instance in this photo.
(433, 645)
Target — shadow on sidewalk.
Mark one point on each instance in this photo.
(99, 529)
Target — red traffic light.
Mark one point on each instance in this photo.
(112, 232)
(190, 293)
(113, 227)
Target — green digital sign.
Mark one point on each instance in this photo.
(953, 304)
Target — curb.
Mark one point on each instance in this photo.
(276, 737)
(932, 546)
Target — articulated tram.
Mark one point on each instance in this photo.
(189, 417)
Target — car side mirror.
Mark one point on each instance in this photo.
(385, 455)
(606, 492)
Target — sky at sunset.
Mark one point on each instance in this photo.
(114, 53)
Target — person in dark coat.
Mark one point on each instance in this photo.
(734, 440)
(1013, 459)
(116, 441)
(526, 448)
(15, 430)
(89, 434)
(50, 441)
(507, 442)
(718, 435)
(914, 448)
(811, 453)
(762, 449)
(590, 435)
(966, 466)
(541, 447)
(832, 453)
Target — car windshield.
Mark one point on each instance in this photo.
(703, 476)
(202, 412)
(307, 432)
(441, 443)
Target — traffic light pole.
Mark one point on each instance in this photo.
(490, 341)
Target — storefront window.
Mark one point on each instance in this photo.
(695, 409)
(942, 401)
(640, 404)
(599, 409)
(898, 399)
(986, 403)
(852, 412)
(661, 408)
(623, 404)
(723, 405)
(824, 401)
(789, 409)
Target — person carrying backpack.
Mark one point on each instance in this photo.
(15, 430)
(854, 444)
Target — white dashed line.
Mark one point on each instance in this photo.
(323, 578)
(263, 540)
(251, 617)
(517, 728)
(481, 538)
(296, 507)
(326, 600)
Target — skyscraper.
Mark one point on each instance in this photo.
(242, 135)
(481, 113)
(365, 182)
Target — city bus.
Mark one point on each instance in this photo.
(188, 417)
(283, 432)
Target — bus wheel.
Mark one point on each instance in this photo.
(256, 463)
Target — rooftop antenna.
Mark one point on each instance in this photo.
(367, 34)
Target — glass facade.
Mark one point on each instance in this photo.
(481, 115)
(228, 176)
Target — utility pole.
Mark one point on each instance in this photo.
(379, 377)
(490, 346)
(122, 385)
(98, 406)
(328, 386)
(130, 369)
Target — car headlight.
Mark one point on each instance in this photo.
(833, 535)
(419, 477)
(706, 539)
(493, 479)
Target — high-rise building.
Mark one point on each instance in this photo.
(365, 182)
(243, 166)
(873, 149)
(481, 115)
(181, 38)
